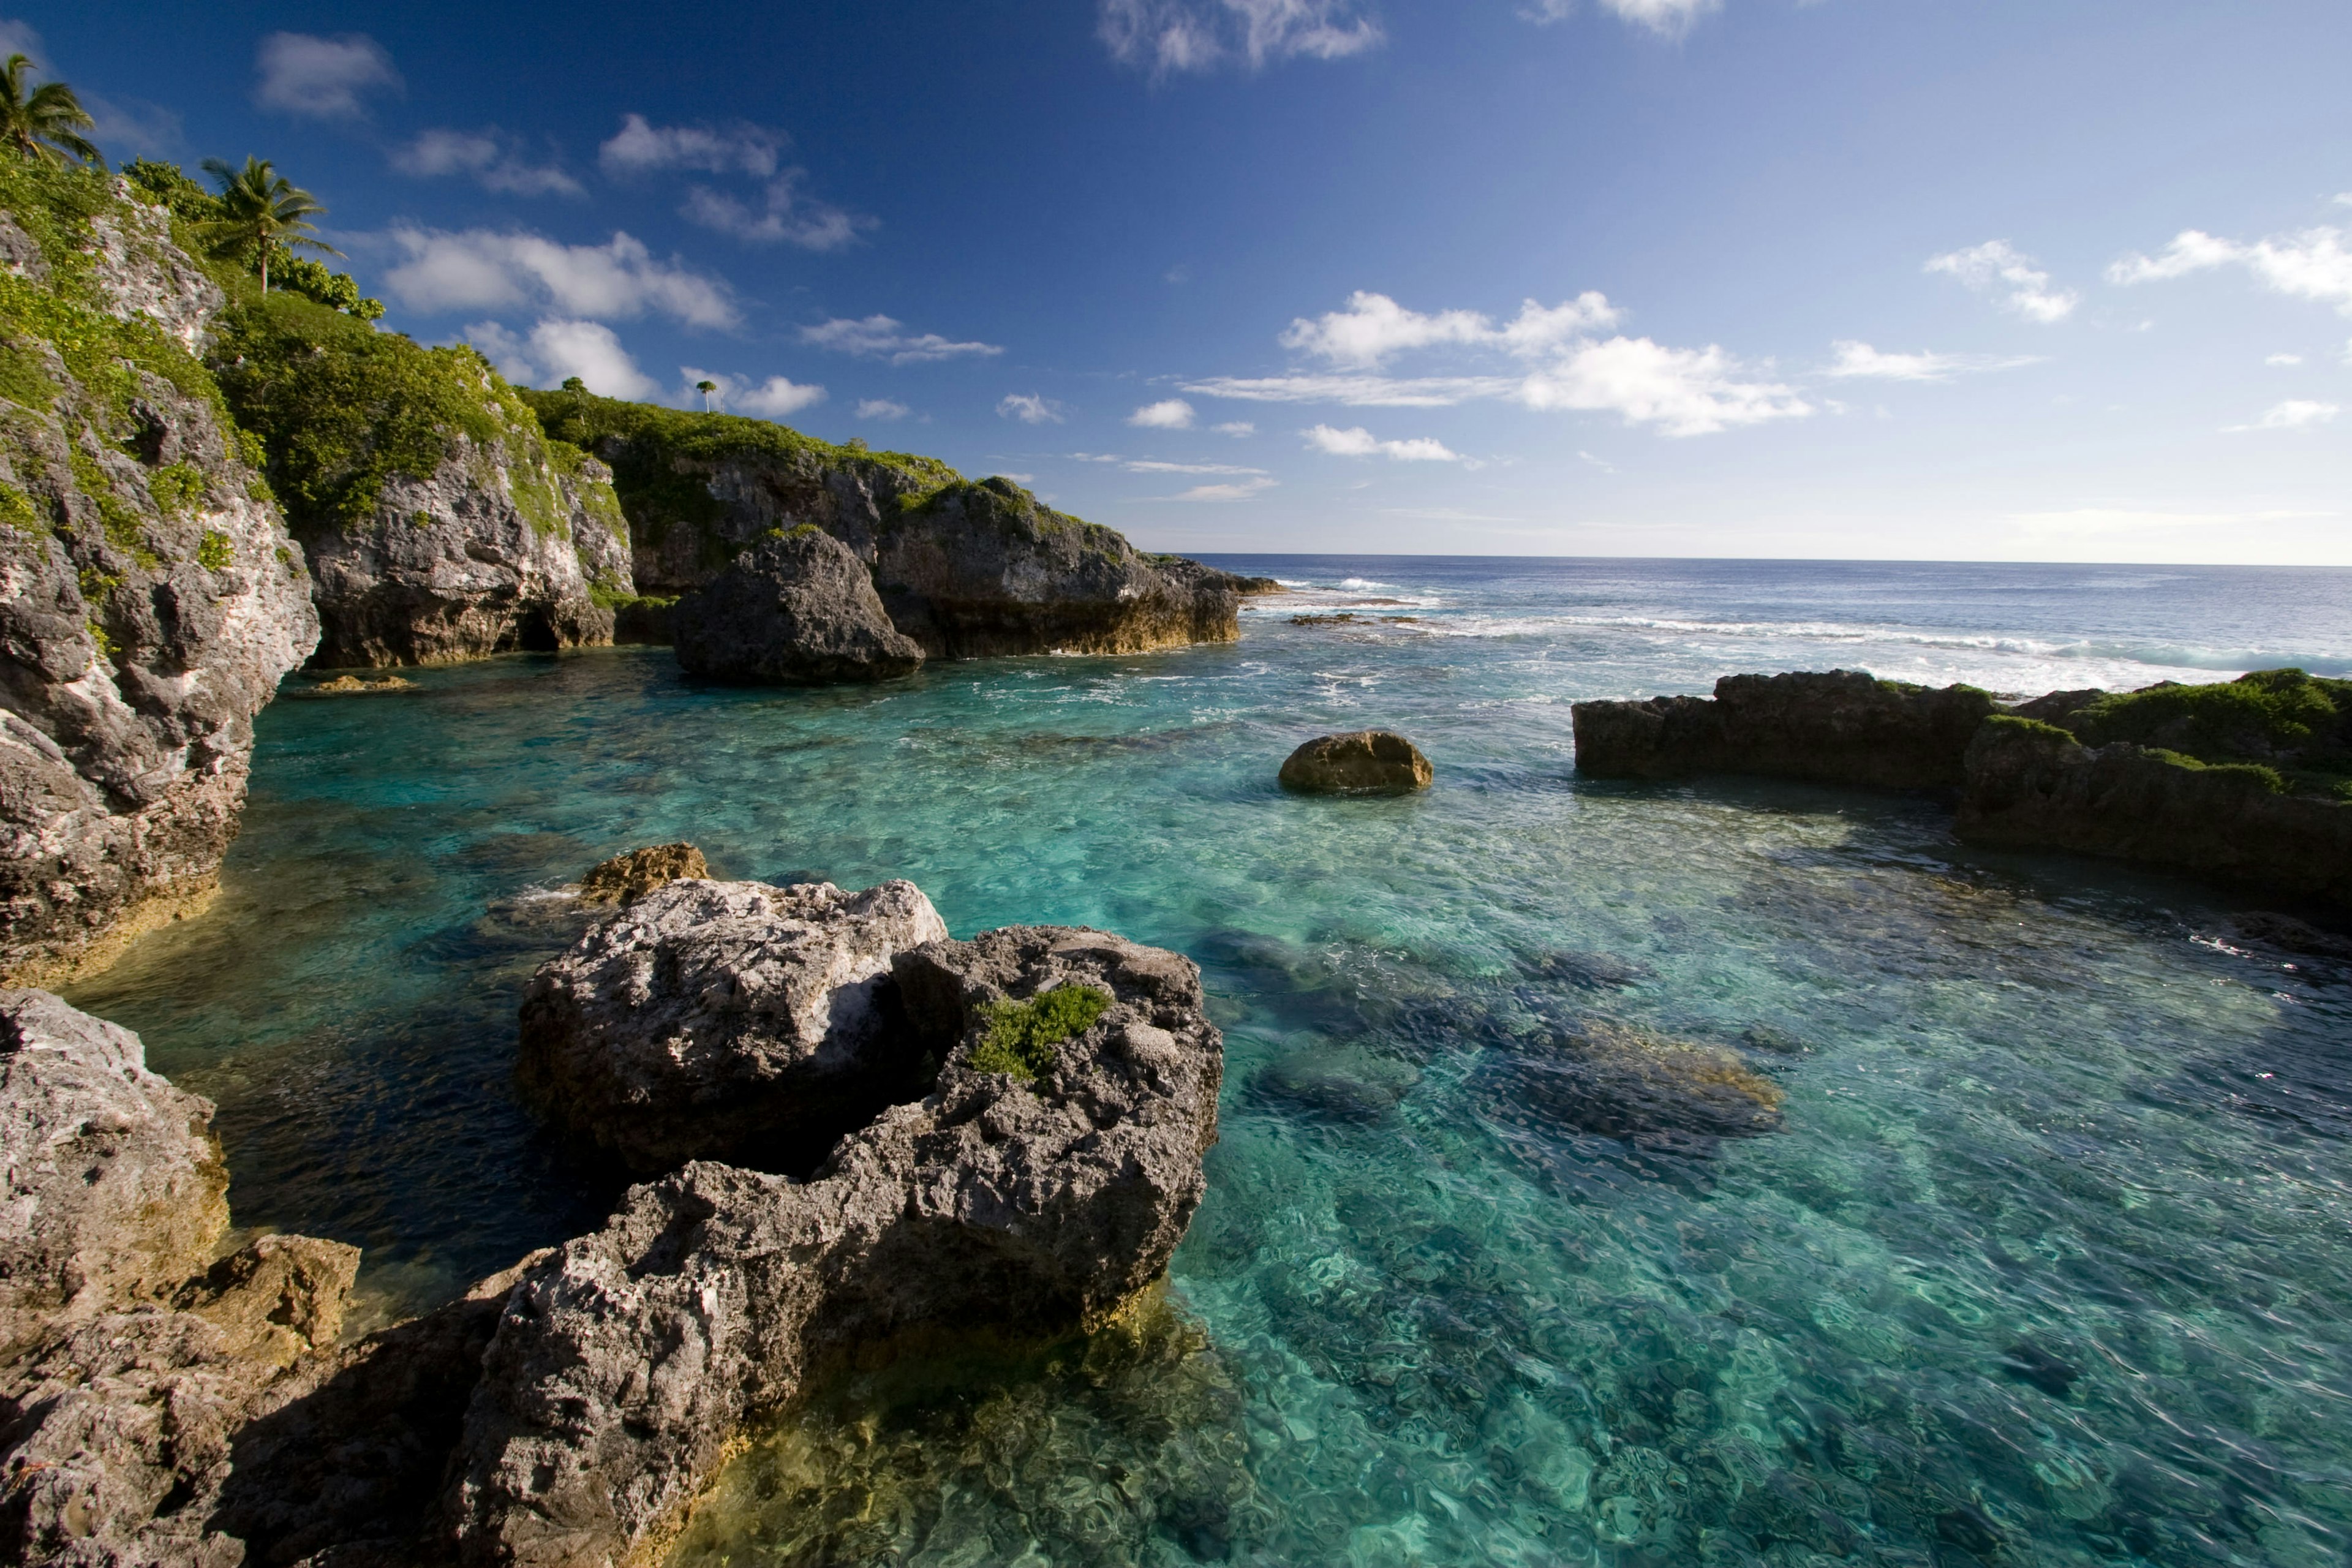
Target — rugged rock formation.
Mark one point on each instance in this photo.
(728, 1020)
(1843, 727)
(2032, 785)
(442, 524)
(1362, 761)
(149, 596)
(625, 878)
(967, 570)
(622, 1368)
(795, 610)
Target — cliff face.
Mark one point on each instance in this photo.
(443, 525)
(150, 596)
(967, 570)
(1839, 727)
(2033, 785)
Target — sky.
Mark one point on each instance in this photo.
(1946, 279)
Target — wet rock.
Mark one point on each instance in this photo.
(345, 685)
(727, 1020)
(1841, 727)
(1362, 761)
(625, 878)
(2292, 935)
(796, 610)
(622, 1369)
(115, 1190)
(2055, 707)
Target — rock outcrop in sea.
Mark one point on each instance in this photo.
(1361, 761)
(795, 610)
(966, 570)
(1843, 727)
(150, 598)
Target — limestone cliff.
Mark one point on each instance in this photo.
(149, 596)
(967, 570)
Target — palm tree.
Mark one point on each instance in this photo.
(706, 388)
(264, 213)
(45, 124)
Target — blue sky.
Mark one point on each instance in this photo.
(1927, 278)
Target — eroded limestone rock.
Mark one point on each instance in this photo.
(795, 610)
(1361, 761)
(625, 878)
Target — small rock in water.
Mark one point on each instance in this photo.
(343, 684)
(2028, 1362)
(1362, 761)
(625, 878)
(1624, 1081)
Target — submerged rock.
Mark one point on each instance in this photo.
(727, 1020)
(798, 610)
(1362, 761)
(1843, 727)
(1631, 1083)
(625, 878)
(622, 1368)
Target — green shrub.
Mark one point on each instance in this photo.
(2017, 723)
(216, 552)
(2294, 729)
(176, 489)
(1022, 1034)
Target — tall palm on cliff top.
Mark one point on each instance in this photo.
(261, 213)
(45, 124)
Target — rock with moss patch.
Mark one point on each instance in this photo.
(798, 609)
(152, 598)
(1835, 727)
(1361, 761)
(622, 1370)
(625, 878)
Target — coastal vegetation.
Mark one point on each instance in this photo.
(43, 124)
(1022, 1034)
(2286, 726)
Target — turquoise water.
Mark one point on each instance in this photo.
(2024, 1238)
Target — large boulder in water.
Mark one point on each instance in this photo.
(727, 1020)
(1362, 761)
(796, 610)
(621, 1371)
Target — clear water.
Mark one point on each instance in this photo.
(2047, 1259)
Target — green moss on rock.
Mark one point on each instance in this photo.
(2290, 726)
(1022, 1034)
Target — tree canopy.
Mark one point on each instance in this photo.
(262, 213)
(46, 123)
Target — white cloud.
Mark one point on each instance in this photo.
(1359, 442)
(130, 124)
(482, 269)
(2282, 360)
(1374, 326)
(1175, 414)
(1998, 267)
(22, 39)
(1241, 491)
(639, 147)
(1029, 408)
(2296, 414)
(784, 213)
(1603, 464)
(1683, 392)
(1167, 36)
(1357, 391)
(321, 78)
(558, 348)
(882, 408)
(879, 337)
(1859, 359)
(770, 399)
(496, 160)
(2313, 265)
(1153, 466)
(1236, 428)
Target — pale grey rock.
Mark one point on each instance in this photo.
(726, 1020)
(798, 609)
(138, 272)
(622, 1368)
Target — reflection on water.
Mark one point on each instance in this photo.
(1641, 1175)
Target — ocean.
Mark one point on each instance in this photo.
(2034, 1250)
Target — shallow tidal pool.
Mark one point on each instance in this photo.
(2033, 1243)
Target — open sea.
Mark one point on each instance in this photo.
(2037, 1248)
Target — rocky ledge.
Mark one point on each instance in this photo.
(1840, 727)
(795, 610)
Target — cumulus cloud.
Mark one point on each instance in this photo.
(491, 158)
(557, 349)
(2282, 360)
(1236, 428)
(1168, 37)
(770, 399)
(1175, 414)
(485, 269)
(1373, 328)
(882, 408)
(1998, 268)
(1358, 442)
(642, 148)
(1859, 359)
(2312, 265)
(783, 215)
(881, 337)
(2296, 414)
(316, 78)
(1683, 392)
(1029, 408)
